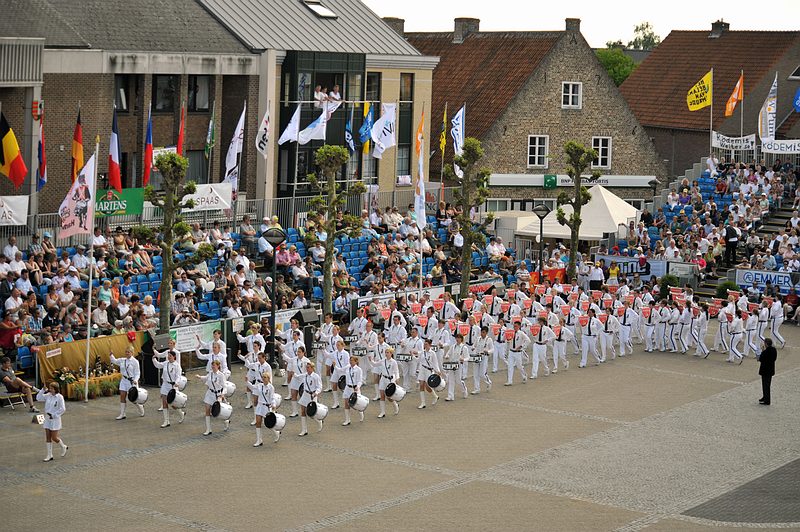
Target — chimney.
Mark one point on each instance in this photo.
(718, 28)
(397, 24)
(573, 24)
(463, 27)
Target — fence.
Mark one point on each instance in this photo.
(748, 156)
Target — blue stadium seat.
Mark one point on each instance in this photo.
(24, 358)
(317, 293)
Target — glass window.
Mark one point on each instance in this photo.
(199, 93)
(537, 151)
(198, 166)
(373, 87)
(403, 159)
(369, 166)
(165, 91)
(406, 87)
(123, 92)
(602, 145)
(318, 9)
(571, 95)
(352, 166)
(354, 88)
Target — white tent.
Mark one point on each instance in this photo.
(604, 212)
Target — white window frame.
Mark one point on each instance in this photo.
(600, 156)
(546, 151)
(569, 84)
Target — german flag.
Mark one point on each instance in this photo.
(11, 163)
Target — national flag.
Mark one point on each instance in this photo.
(211, 136)
(181, 130)
(443, 133)
(457, 132)
(114, 174)
(383, 130)
(736, 96)
(77, 148)
(262, 138)
(41, 171)
(11, 164)
(234, 150)
(701, 93)
(365, 131)
(348, 133)
(419, 192)
(148, 148)
(767, 123)
(292, 129)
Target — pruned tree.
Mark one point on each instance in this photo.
(579, 158)
(473, 193)
(331, 199)
(644, 37)
(618, 65)
(170, 200)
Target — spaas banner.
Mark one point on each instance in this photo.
(13, 210)
(211, 197)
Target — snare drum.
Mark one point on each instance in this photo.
(436, 383)
(395, 392)
(317, 411)
(176, 398)
(137, 395)
(230, 388)
(403, 358)
(221, 410)
(451, 366)
(182, 382)
(477, 359)
(358, 402)
(275, 421)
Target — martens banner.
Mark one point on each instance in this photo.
(112, 203)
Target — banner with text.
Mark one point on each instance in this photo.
(629, 266)
(186, 337)
(211, 197)
(784, 147)
(13, 210)
(113, 203)
(718, 140)
(783, 281)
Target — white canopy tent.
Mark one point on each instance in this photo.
(603, 214)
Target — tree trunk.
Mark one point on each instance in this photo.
(466, 252)
(574, 229)
(165, 290)
(330, 249)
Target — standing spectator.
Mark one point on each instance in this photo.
(766, 369)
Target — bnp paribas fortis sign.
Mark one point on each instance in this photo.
(113, 203)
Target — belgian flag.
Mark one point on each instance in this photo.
(11, 163)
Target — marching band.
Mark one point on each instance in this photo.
(438, 344)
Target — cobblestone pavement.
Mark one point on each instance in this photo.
(648, 442)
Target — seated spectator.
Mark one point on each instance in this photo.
(16, 385)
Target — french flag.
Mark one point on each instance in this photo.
(42, 170)
(114, 175)
(148, 149)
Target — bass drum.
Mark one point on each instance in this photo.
(395, 392)
(436, 383)
(221, 410)
(176, 398)
(358, 402)
(182, 382)
(317, 411)
(275, 421)
(137, 395)
(230, 389)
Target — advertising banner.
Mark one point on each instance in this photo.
(113, 203)
(629, 266)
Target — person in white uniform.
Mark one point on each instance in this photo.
(264, 393)
(163, 354)
(312, 388)
(650, 317)
(563, 336)
(699, 331)
(428, 364)
(389, 372)
(298, 364)
(216, 353)
(684, 327)
(170, 373)
(628, 324)
(481, 351)
(324, 335)
(256, 364)
(377, 355)
(589, 334)
(499, 345)
(776, 319)
(541, 339)
(516, 348)
(453, 362)
(736, 334)
(353, 378)
(130, 371)
(413, 346)
(215, 382)
(340, 361)
(54, 408)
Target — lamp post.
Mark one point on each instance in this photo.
(275, 236)
(541, 211)
(654, 185)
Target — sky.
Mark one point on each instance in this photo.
(599, 24)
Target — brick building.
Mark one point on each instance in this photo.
(98, 53)
(656, 91)
(526, 95)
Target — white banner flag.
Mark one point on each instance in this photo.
(767, 123)
(14, 210)
(211, 197)
(314, 131)
(262, 139)
(718, 140)
(77, 209)
(457, 132)
(783, 147)
(292, 129)
(383, 130)
(234, 151)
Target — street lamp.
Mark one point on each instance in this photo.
(541, 211)
(275, 236)
(654, 185)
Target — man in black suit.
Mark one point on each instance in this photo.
(767, 369)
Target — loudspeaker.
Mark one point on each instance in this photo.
(307, 316)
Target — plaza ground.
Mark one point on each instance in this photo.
(649, 442)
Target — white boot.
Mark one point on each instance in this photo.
(377, 394)
(383, 409)
(346, 417)
(421, 400)
(141, 410)
(249, 400)
(166, 418)
(49, 456)
(335, 399)
(277, 436)
(208, 426)
(63, 447)
(122, 407)
(227, 425)
(303, 426)
(319, 425)
(258, 442)
(182, 414)
(253, 423)
(294, 409)
(396, 406)
(327, 383)
(435, 398)
(361, 416)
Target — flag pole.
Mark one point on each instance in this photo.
(296, 162)
(238, 171)
(91, 271)
(711, 118)
(441, 170)
(211, 146)
(741, 115)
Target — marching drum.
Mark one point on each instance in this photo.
(450, 366)
(176, 398)
(182, 382)
(230, 388)
(317, 411)
(137, 395)
(395, 392)
(436, 383)
(275, 421)
(342, 382)
(221, 410)
(358, 402)
(400, 358)
(276, 400)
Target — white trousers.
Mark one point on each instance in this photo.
(499, 353)
(649, 337)
(539, 356)
(607, 344)
(625, 344)
(515, 362)
(588, 343)
(559, 352)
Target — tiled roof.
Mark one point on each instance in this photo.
(656, 91)
(485, 71)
